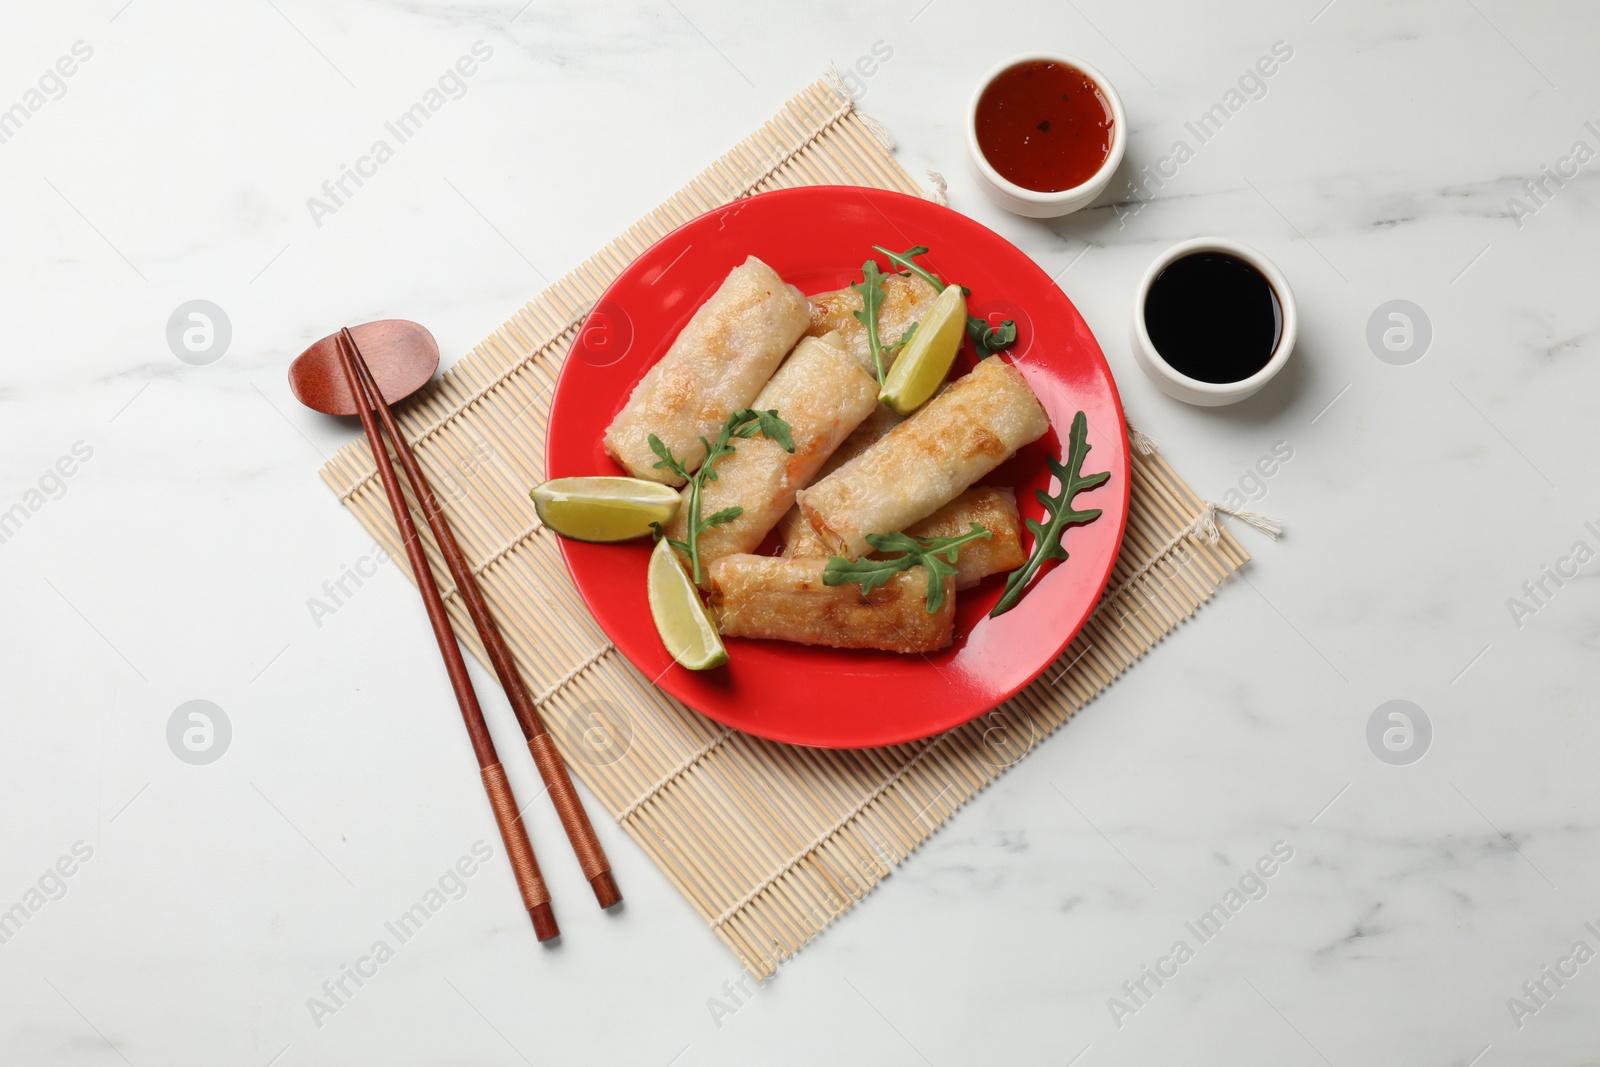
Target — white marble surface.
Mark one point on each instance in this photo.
(176, 562)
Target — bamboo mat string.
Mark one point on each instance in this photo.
(1204, 525)
(1147, 445)
(682, 766)
(496, 556)
(838, 824)
(1206, 522)
(579, 668)
(769, 843)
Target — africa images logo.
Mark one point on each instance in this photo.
(338, 990)
(51, 86)
(51, 485)
(1252, 886)
(1538, 591)
(50, 886)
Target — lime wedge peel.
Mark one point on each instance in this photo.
(686, 628)
(927, 358)
(603, 509)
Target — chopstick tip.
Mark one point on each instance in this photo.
(544, 922)
(605, 890)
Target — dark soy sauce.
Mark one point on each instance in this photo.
(1213, 317)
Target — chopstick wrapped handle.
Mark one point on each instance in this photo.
(530, 881)
(563, 795)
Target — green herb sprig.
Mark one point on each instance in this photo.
(937, 554)
(871, 289)
(742, 424)
(987, 339)
(1059, 514)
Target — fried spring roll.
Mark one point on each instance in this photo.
(992, 507)
(822, 394)
(906, 299)
(786, 600)
(799, 537)
(873, 427)
(717, 365)
(976, 424)
(995, 509)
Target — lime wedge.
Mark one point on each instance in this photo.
(603, 508)
(681, 619)
(922, 367)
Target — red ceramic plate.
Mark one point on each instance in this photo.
(817, 238)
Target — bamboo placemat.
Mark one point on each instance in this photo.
(768, 842)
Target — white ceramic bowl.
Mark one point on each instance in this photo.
(1031, 202)
(1192, 390)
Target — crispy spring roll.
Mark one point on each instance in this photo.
(965, 432)
(799, 537)
(992, 507)
(822, 394)
(874, 426)
(717, 365)
(995, 509)
(786, 600)
(905, 300)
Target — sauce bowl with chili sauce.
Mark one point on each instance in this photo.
(1046, 133)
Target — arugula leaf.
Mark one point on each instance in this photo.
(905, 339)
(987, 339)
(1059, 513)
(766, 423)
(937, 554)
(666, 457)
(907, 261)
(991, 339)
(871, 289)
(741, 425)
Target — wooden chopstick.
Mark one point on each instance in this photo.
(530, 882)
(580, 832)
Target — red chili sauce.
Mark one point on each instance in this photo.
(1044, 126)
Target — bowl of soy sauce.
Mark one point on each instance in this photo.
(1213, 321)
